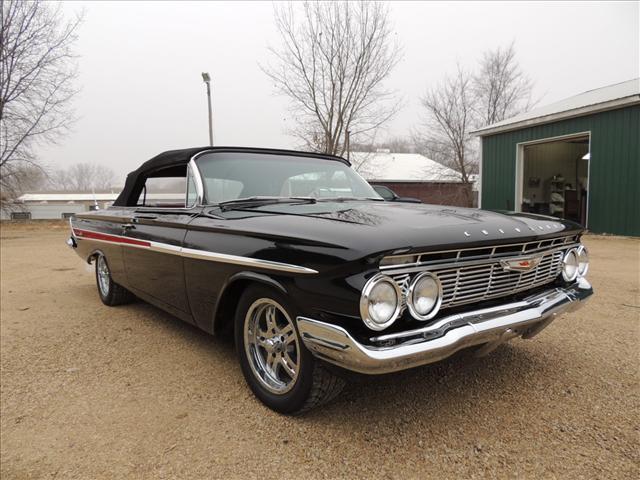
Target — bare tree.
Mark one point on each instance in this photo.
(23, 177)
(501, 88)
(332, 64)
(37, 69)
(449, 119)
(83, 177)
(464, 101)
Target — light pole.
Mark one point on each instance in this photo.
(207, 79)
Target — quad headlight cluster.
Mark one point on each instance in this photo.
(575, 264)
(381, 301)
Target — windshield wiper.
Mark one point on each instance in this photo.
(258, 201)
(348, 199)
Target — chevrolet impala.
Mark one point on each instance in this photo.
(315, 274)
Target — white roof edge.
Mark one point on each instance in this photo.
(553, 117)
(609, 97)
(385, 180)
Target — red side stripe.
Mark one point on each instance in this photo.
(109, 238)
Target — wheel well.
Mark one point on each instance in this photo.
(228, 302)
(93, 256)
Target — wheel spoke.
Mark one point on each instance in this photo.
(259, 333)
(272, 363)
(289, 334)
(270, 316)
(288, 365)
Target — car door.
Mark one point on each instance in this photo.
(154, 267)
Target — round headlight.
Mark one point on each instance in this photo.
(425, 296)
(380, 302)
(583, 261)
(570, 265)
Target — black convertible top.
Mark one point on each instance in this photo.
(180, 158)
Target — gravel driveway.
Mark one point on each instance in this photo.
(89, 391)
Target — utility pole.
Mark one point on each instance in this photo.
(348, 142)
(207, 79)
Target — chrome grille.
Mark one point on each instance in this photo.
(472, 279)
(480, 282)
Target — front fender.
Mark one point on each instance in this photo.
(254, 277)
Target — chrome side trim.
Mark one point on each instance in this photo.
(198, 254)
(246, 261)
(400, 351)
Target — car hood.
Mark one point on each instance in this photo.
(373, 226)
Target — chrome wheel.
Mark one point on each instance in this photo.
(103, 276)
(271, 345)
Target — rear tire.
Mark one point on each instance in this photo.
(278, 368)
(110, 292)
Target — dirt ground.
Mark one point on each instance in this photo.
(89, 391)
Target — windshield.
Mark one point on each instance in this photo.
(236, 175)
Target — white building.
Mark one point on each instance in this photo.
(385, 166)
(413, 175)
(53, 206)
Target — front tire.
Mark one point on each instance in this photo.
(110, 292)
(279, 369)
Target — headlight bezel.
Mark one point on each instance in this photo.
(582, 250)
(365, 299)
(570, 278)
(411, 301)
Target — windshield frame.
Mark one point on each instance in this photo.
(202, 184)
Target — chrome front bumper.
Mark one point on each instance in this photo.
(399, 351)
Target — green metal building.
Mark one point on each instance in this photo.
(578, 159)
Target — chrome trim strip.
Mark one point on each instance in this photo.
(246, 261)
(410, 349)
(202, 254)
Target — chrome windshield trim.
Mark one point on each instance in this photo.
(197, 176)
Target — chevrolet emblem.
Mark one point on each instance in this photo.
(521, 264)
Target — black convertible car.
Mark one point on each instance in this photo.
(314, 273)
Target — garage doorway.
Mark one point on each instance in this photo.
(553, 177)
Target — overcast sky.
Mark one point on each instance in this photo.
(140, 65)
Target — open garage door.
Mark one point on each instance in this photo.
(554, 177)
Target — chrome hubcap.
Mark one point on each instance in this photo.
(103, 276)
(271, 345)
